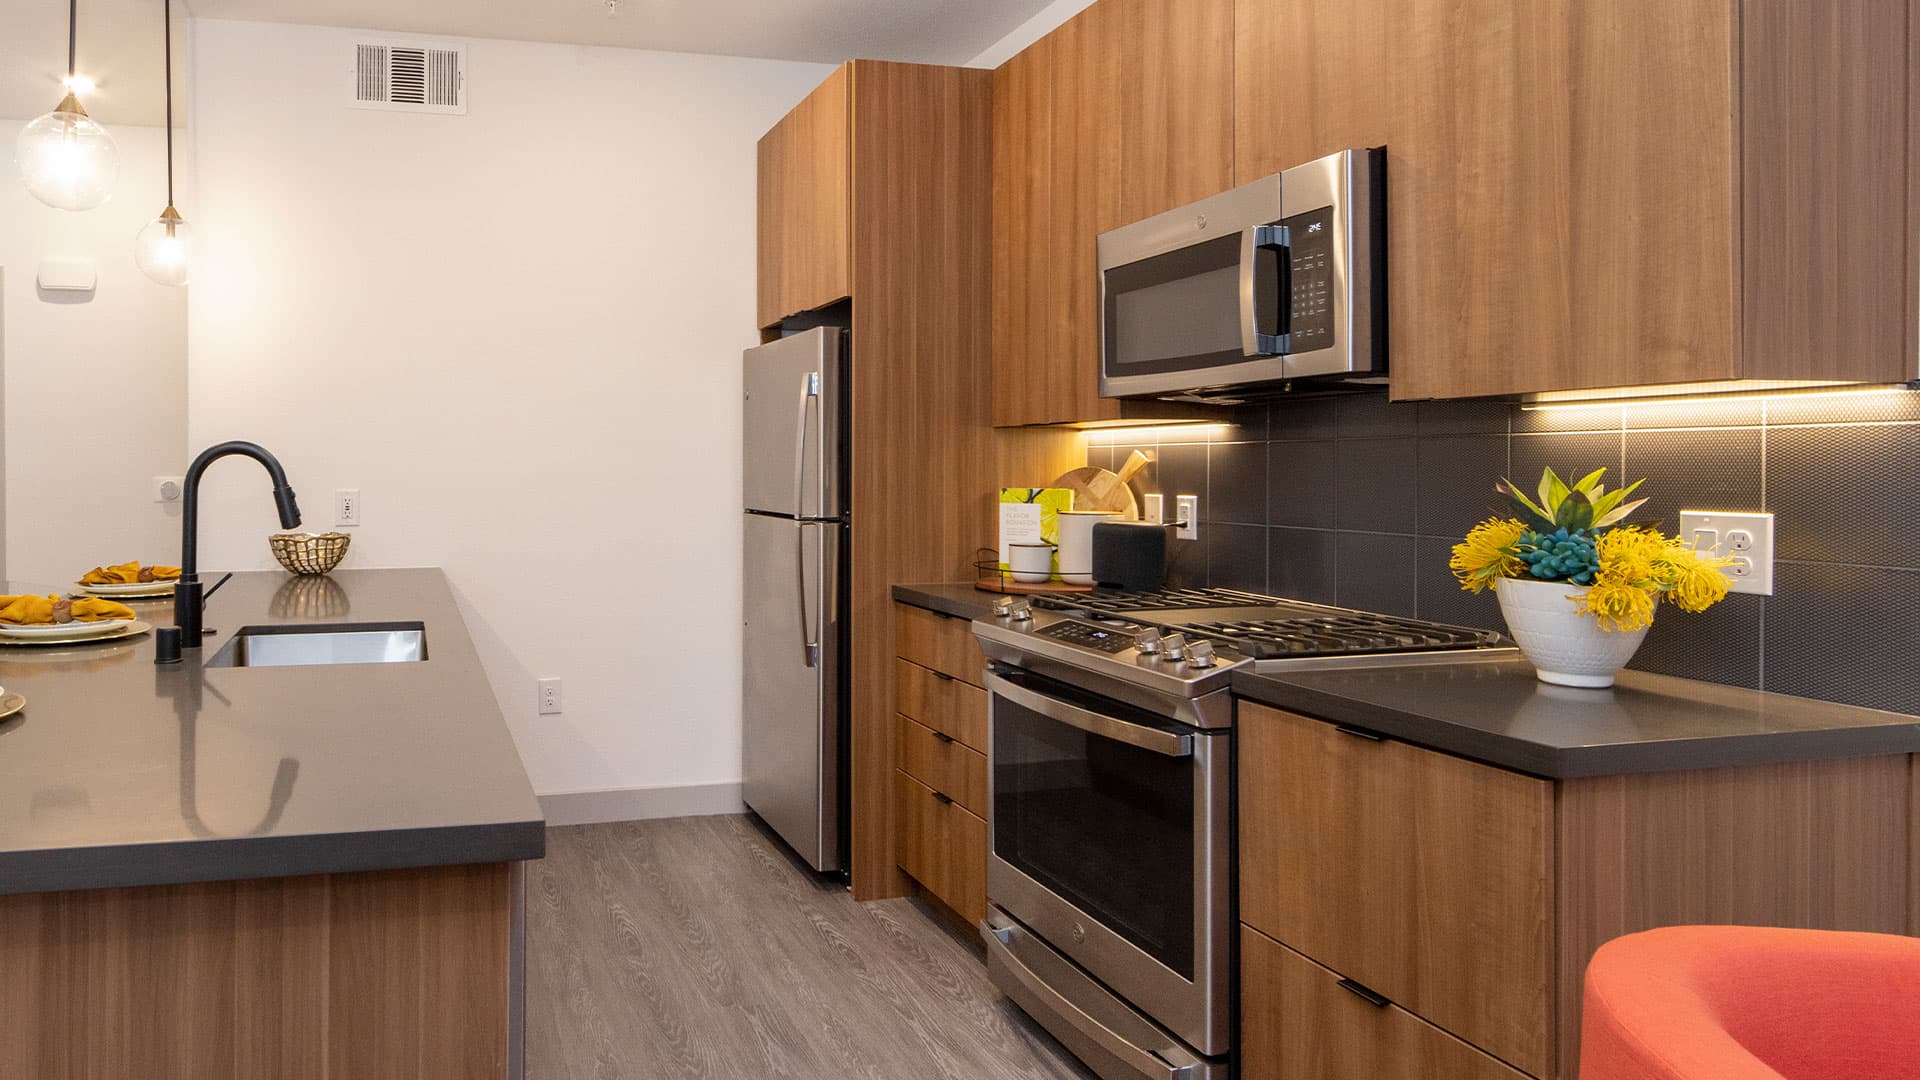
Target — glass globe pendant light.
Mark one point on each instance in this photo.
(163, 247)
(65, 158)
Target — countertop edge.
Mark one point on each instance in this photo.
(246, 858)
(1575, 763)
(959, 599)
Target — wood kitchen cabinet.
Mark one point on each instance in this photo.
(804, 255)
(942, 776)
(1625, 194)
(1119, 114)
(1411, 913)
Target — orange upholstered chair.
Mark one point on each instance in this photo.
(1752, 1003)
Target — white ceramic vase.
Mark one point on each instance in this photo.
(1076, 543)
(1567, 646)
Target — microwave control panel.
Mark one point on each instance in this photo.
(1311, 265)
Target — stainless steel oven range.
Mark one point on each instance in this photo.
(1110, 912)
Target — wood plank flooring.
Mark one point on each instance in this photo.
(697, 947)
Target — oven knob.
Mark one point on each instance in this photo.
(1174, 646)
(1147, 641)
(1200, 654)
(1003, 607)
(1020, 611)
(1079, 933)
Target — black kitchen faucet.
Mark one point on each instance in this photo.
(189, 598)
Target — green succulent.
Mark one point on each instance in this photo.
(1585, 505)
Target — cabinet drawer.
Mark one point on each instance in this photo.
(1296, 1019)
(943, 847)
(942, 703)
(944, 765)
(1421, 875)
(943, 643)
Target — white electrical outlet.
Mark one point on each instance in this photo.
(1153, 508)
(549, 697)
(1746, 538)
(346, 507)
(168, 489)
(1187, 513)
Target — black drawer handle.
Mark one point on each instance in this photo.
(942, 614)
(1364, 994)
(947, 800)
(943, 736)
(1359, 733)
(941, 675)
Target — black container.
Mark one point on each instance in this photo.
(1130, 555)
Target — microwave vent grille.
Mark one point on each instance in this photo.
(402, 77)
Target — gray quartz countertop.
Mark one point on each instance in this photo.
(1500, 714)
(961, 600)
(120, 772)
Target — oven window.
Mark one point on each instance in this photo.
(1105, 825)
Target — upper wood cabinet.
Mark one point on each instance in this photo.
(1599, 195)
(804, 236)
(1121, 113)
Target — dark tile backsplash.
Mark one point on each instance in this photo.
(1358, 501)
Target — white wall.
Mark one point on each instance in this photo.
(95, 385)
(1044, 22)
(517, 332)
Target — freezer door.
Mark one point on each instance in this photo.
(792, 691)
(793, 446)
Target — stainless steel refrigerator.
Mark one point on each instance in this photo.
(795, 699)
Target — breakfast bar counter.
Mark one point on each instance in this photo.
(308, 871)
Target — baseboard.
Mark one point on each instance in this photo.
(639, 804)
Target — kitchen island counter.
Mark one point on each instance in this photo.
(121, 772)
(1499, 713)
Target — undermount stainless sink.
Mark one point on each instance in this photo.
(324, 643)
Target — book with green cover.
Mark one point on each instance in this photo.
(1030, 515)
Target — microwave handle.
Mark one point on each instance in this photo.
(1252, 286)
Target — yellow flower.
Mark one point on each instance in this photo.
(1697, 583)
(1632, 554)
(1617, 604)
(1487, 554)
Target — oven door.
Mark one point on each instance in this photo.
(1110, 842)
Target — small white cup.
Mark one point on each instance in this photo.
(1031, 563)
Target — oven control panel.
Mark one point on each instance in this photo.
(1106, 639)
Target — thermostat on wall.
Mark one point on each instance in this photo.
(66, 275)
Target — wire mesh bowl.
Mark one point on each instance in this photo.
(310, 553)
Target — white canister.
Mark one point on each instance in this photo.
(1031, 563)
(1076, 543)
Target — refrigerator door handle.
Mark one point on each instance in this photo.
(809, 644)
(809, 395)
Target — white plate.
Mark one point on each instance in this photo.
(129, 588)
(63, 631)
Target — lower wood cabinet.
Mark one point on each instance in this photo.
(1410, 913)
(943, 847)
(1302, 1022)
(944, 764)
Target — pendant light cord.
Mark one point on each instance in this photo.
(73, 33)
(167, 24)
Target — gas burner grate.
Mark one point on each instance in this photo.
(1337, 635)
(1108, 602)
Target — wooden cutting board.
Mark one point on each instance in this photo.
(1104, 490)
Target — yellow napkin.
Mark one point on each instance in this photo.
(128, 574)
(27, 610)
(94, 609)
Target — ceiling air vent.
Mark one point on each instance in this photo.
(410, 78)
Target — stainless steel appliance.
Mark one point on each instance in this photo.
(1279, 279)
(1110, 750)
(795, 700)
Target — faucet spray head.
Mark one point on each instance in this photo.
(289, 508)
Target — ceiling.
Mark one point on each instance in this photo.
(925, 31)
(120, 39)
(119, 49)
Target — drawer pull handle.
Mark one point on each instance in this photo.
(943, 736)
(942, 676)
(947, 800)
(1359, 733)
(1370, 997)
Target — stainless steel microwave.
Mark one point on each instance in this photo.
(1277, 280)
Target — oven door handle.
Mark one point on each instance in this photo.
(1165, 743)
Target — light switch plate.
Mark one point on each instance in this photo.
(1153, 508)
(1747, 538)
